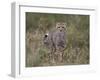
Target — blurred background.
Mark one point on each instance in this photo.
(38, 24)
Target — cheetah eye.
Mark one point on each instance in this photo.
(62, 27)
(58, 27)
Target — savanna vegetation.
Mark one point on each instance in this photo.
(37, 24)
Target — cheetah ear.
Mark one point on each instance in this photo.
(57, 24)
(56, 27)
(65, 26)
